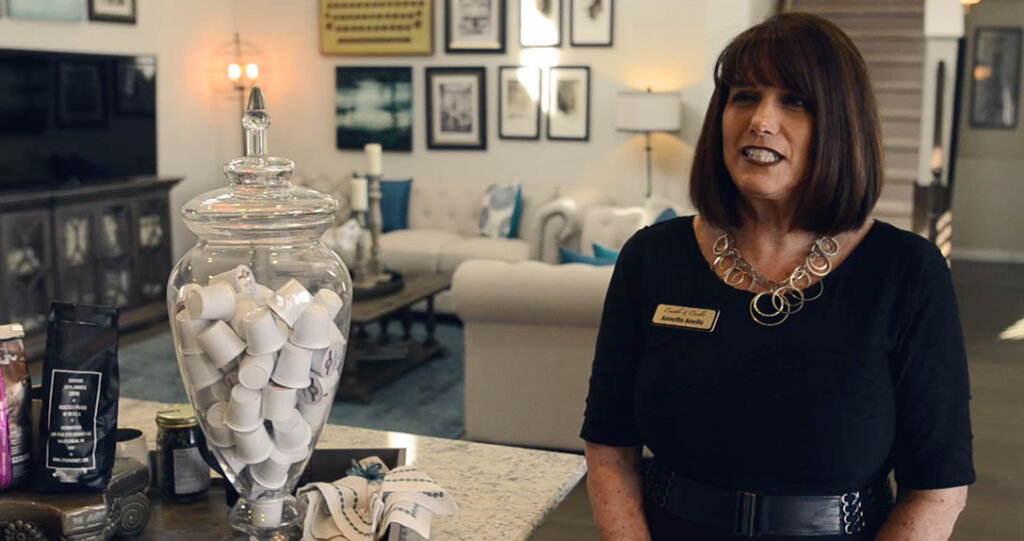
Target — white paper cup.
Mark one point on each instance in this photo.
(267, 513)
(230, 459)
(179, 304)
(188, 332)
(314, 402)
(292, 433)
(311, 328)
(215, 301)
(217, 431)
(239, 278)
(244, 409)
(261, 293)
(254, 446)
(243, 305)
(293, 366)
(329, 360)
(335, 335)
(314, 414)
(278, 402)
(201, 371)
(329, 300)
(221, 343)
(272, 472)
(221, 391)
(289, 301)
(206, 397)
(264, 334)
(255, 370)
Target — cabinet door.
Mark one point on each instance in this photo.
(153, 259)
(76, 277)
(114, 254)
(25, 244)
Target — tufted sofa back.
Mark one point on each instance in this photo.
(456, 207)
(610, 227)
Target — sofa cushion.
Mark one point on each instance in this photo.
(499, 214)
(394, 204)
(600, 252)
(452, 255)
(415, 250)
(449, 206)
(566, 256)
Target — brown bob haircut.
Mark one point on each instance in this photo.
(815, 60)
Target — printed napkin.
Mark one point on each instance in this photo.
(361, 506)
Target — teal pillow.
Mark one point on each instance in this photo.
(600, 252)
(665, 215)
(569, 256)
(394, 204)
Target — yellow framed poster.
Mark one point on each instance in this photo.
(376, 27)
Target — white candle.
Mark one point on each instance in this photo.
(358, 195)
(372, 158)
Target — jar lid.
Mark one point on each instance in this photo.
(181, 416)
(260, 203)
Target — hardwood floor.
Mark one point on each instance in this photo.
(991, 298)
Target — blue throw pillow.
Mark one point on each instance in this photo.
(394, 204)
(569, 256)
(665, 216)
(499, 216)
(600, 252)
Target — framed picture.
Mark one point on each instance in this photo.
(115, 11)
(373, 105)
(591, 23)
(456, 108)
(519, 102)
(995, 85)
(50, 10)
(80, 94)
(361, 27)
(474, 26)
(135, 94)
(540, 23)
(569, 103)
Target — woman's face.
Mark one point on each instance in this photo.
(766, 141)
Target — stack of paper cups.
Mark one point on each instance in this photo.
(253, 447)
(292, 435)
(244, 409)
(272, 472)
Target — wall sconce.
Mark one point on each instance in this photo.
(647, 112)
(235, 67)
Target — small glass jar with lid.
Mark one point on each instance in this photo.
(182, 473)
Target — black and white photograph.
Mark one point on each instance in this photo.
(114, 11)
(373, 105)
(540, 23)
(569, 103)
(475, 26)
(80, 94)
(995, 85)
(456, 108)
(591, 23)
(519, 102)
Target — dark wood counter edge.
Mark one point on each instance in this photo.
(32, 198)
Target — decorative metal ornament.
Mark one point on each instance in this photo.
(773, 302)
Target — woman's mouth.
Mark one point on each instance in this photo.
(761, 156)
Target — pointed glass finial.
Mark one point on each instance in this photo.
(256, 121)
(257, 169)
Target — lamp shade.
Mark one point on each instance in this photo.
(648, 111)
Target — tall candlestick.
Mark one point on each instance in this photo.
(358, 198)
(373, 151)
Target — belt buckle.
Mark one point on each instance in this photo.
(746, 514)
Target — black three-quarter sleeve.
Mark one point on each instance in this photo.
(933, 427)
(609, 418)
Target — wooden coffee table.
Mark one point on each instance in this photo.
(371, 362)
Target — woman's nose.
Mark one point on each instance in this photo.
(766, 119)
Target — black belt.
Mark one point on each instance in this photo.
(749, 514)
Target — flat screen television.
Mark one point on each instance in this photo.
(68, 119)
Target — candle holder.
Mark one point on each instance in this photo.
(371, 280)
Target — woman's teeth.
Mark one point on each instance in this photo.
(761, 155)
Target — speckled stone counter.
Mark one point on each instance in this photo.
(503, 492)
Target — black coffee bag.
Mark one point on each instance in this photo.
(78, 423)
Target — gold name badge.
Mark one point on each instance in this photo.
(698, 319)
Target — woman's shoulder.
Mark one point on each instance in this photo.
(908, 250)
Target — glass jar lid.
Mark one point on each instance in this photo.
(181, 416)
(260, 202)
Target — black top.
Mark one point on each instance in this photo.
(870, 377)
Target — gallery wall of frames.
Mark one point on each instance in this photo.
(375, 103)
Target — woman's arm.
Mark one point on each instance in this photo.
(924, 515)
(616, 497)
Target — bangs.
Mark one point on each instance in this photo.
(766, 56)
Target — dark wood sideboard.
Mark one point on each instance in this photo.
(97, 244)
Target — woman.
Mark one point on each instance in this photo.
(781, 352)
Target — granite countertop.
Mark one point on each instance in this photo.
(503, 492)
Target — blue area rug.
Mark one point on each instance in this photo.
(427, 400)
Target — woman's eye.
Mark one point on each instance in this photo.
(742, 97)
(797, 102)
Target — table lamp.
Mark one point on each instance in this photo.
(648, 112)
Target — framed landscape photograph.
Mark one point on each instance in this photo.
(519, 102)
(995, 81)
(456, 108)
(373, 105)
(115, 11)
(474, 26)
(591, 23)
(569, 103)
(540, 23)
